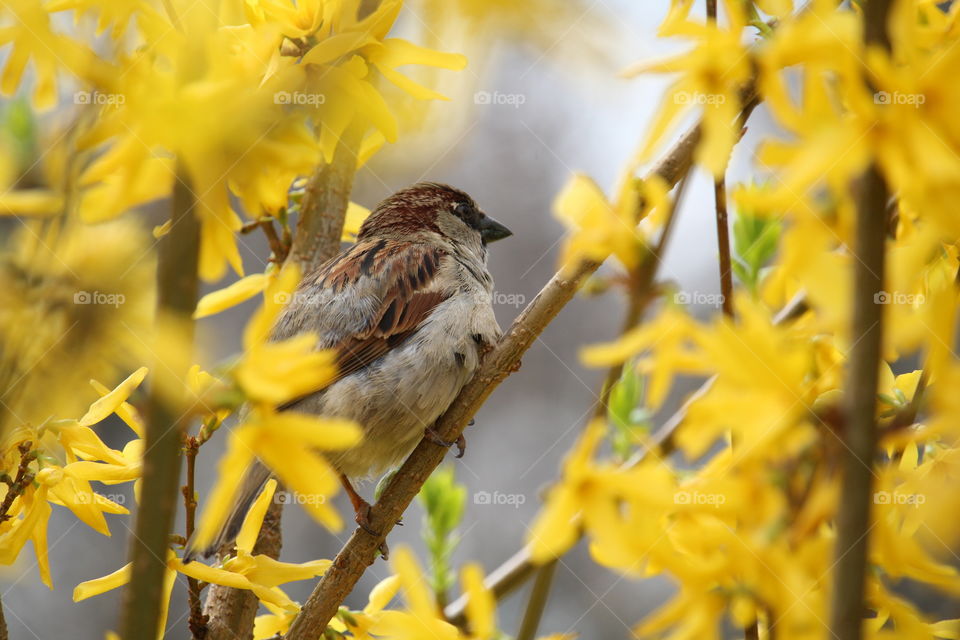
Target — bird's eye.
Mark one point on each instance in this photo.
(467, 212)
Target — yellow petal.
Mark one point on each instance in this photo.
(240, 291)
(97, 586)
(330, 434)
(254, 518)
(111, 402)
(232, 467)
(481, 606)
(382, 594)
(555, 529)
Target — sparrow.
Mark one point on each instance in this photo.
(408, 310)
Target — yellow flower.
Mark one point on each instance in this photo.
(238, 292)
(668, 336)
(589, 495)
(360, 622)
(422, 619)
(599, 227)
(275, 372)
(712, 74)
(257, 573)
(356, 214)
(236, 108)
(288, 443)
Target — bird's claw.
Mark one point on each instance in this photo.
(431, 434)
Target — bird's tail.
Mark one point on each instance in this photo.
(253, 481)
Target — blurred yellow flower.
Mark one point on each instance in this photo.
(713, 73)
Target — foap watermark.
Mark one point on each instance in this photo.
(895, 497)
(695, 497)
(515, 300)
(899, 98)
(497, 498)
(300, 297)
(295, 497)
(697, 98)
(299, 98)
(897, 297)
(94, 498)
(98, 98)
(98, 297)
(699, 298)
(496, 98)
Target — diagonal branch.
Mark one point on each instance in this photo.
(360, 550)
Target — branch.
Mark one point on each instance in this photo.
(723, 245)
(860, 398)
(178, 259)
(17, 485)
(360, 550)
(538, 600)
(231, 612)
(324, 206)
(4, 634)
(198, 621)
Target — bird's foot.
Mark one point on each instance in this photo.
(431, 434)
(361, 509)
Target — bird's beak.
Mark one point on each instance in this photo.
(491, 230)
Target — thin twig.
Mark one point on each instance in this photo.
(278, 248)
(23, 479)
(859, 426)
(176, 300)
(4, 633)
(197, 621)
(642, 291)
(723, 245)
(360, 550)
(538, 600)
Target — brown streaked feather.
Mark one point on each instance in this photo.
(407, 269)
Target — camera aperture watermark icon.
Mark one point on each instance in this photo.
(899, 98)
(698, 298)
(898, 297)
(497, 98)
(698, 98)
(698, 498)
(98, 297)
(497, 498)
(98, 98)
(897, 498)
(295, 497)
(299, 98)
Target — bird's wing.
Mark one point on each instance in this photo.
(368, 300)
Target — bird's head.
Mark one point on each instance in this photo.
(428, 208)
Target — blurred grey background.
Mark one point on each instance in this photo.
(576, 114)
